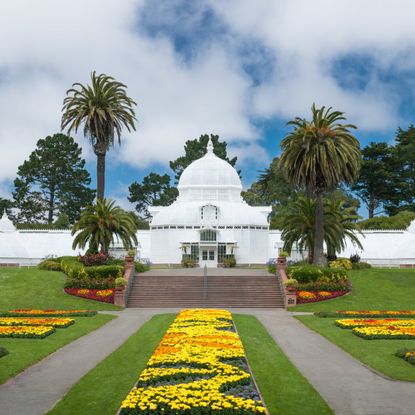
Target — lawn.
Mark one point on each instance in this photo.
(284, 389)
(34, 288)
(378, 354)
(372, 289)
(101, 391)
(25, 352)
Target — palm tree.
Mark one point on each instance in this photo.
(317, 155)
(299, 225)
(102, 223)
(104, 108)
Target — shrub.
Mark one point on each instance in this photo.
(188, 263)
(3, 351)
(272, 269)
(132, 252)
(90, 283)
(311, 273)
(120, 282)
(49, 265)
(361, 265)
(74, 269)
(341, 263)
(291, 282)
(354, 258)
(342, 285)
(139, 267)
(93, 259)
(229, 262)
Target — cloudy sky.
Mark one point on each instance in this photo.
(237, 68)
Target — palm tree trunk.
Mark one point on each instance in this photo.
(100, 174)
(319, 258)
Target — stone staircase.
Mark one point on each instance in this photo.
(198, 291)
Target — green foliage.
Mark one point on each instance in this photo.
(404, 353)
(195, 149)
(229, 262)
(49, 265)
(318, 155)
(312, 273)
(399, 221)
(155, 190)
(120, 282)
(299, 225)
(52, 183)
(90, 283)
(361, 265)
(344, 263)
(103, 108)
(76, 271)
(101, 224)
(139, 267)
(272, 269)
(5, 206)
(188, 262)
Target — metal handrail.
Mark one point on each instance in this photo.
(205, 285)
(129, 285)
(281, 285)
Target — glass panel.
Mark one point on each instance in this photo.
(208, 235)
(204, 255)
(211, 255)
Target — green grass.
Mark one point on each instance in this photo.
(378, 354)
(372, 289)
(283, 387)
(101, 391)
(25, 352)
(34, 288)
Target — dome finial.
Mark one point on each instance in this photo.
(209, 147)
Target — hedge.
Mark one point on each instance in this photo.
(312, 273)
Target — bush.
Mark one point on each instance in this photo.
(120, 282)
(3, 351)
(75, 270)
(229, 262)
(291, 282)
(188, 263)
(139, 267)
(354, 258)
(49, 265)
(93, 259)
(341, 263)
(311, 273)
(320, 285)
(361, 265)
(272, 269)
(90, 283)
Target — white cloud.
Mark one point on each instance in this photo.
(48, 45)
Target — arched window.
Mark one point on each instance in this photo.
(208, 235)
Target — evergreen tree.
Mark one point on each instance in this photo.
(155, 190)
(5, 206)
(195, 149)
(52, 182)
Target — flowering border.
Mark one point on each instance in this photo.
(91, 294)
(367, 313)
(36, 321)
(29, 312)
(350, 323)
(199, 367)
(317, 297)
(385, 332)
(26, 332)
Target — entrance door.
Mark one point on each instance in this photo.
(207, 257)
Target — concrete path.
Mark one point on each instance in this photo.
(345, 384)
(38, 388)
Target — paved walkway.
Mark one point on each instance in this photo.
(38, 388)
(347, 386)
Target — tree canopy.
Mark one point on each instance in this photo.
(53, 181)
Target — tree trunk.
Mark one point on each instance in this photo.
(100, 174)
(371, 208)
(51, 206)
(319, 258)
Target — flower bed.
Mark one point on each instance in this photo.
(199, 367)
(47, 313)
(367, 313)
(360, 322)
(35, 321)
(385, 332)
(407, 354)
(314, 296)
(27, 332)
(106, 296)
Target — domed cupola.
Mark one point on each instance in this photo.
(209, 178)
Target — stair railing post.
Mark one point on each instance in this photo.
(205, 285)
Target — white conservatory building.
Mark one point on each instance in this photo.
(209, 221)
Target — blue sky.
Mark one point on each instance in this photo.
(237, 68)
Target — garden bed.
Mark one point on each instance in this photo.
(198, 368)
(304, 297)
(105, 296)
